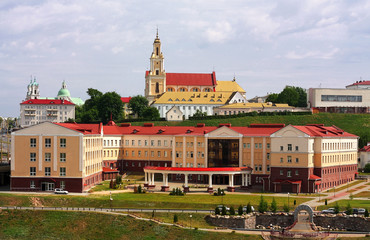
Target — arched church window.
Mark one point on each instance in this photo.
(156, 72)
(157, 50)
(195, 89)
(170, 89)
(182, 89)
(156, 87)
(207, 90)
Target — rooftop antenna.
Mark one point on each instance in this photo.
(234, 79)
(320, 85)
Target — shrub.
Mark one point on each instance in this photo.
(139, 189)
(118, 179)
(273, 206)
(286, 208)
(175, 218)
(326, 201)
(177, 192)
(295, 202)
(366, 213)
(249, 207)
(223, 212)
(232, 210)
(349, 209)
(336, 208)
(240, 210)
(367, 168)
(262, 207)
(217, 211)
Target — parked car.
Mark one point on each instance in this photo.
(330, 210)
(358, 211)
(245, 209)
(60, 191)
(220, 207)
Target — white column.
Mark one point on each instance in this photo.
(146, 177)
(230, 184)
(250, 179)
(232, 180)
(149, 179)
(153, 179)
(210, 180)
(186, 180)
(164, 179)
(243, 178)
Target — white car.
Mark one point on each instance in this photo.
(60, 191)
(330, 210)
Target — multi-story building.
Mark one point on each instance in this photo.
(270, 155)
(49, 155)
(311, 158)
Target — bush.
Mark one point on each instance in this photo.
(249, 207)
(349, 209)
(175, 218)
(326, 201)
(286, 208)
(366, 213)
(263, 206)
(217, 211)
(273, 206)
(118, 179)
(139, 189)
(295, 202)
(223, 212)
(220, 192)
(336, 208)
(177, 192)
(240, 210)
(232, 210)
(367, 168)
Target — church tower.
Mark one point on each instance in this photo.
(33, 90)
(155, 78)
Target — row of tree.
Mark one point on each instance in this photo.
(294, 96)
(103, 107)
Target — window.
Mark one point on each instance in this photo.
(33, 142)
(281, 148)
(289, 159)
(47, 157)
(159, 153)
(296, 172)
(152, 143)
(139, 142)
(244, 145)
(268, 168)
(139, 153)
(256, 167)
(62, 157)
(127, 142)
(296, 160)
(133, 153)
(281, 172)
(47, 142)
(260, 167)
(165, 153)
(63, 142)
(152, 153)
(146, 142)
(165, 143)
(289, 173)
(256, 145)
(289, 147)
(47, 171)
(268, 146)
(268, 156)
(32, 184)
(133, 143)
(159, 143)
(248, 145)
(296, 148)
(340, 98)
(260, 145)
(62, 171)
(281, 160)
(62, 184)
(32, 171)
(33, 157)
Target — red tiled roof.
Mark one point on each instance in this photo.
(191, 79)
(82, 128)
(289, 181)
(47, 101)
(225, 169)
(319, 130)
(126, 99)
(365, 149)
(360, 83)
(314, 177)
(105, 169)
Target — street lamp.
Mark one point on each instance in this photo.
(190, 220)
(110, 200)
(288, 201)
(334, 190)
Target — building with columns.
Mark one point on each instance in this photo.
(275, 157)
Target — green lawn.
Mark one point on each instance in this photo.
(78, 225)
(365, 194)
(344, 186)
(148, 200)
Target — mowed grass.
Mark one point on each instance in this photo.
(365, 194)
(344, 186)
(78, 225)
(343, 204)
(147, 200)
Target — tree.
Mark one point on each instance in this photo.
(367, 168)
(118, 179)
(366, 213)
(240, 210)
(151, 113)
(273, 206)
(273, 97)
(336, 208)
(175, 218)
(223, 211)
(262, 207)
(232, 210)
(110, 106)
(286, 208)
(217, 211)
(199, 113)
(138, 104)
(249, 207)
(349, 209)
(289, 95)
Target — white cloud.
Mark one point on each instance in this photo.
(312, 54)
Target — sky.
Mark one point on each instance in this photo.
(106, 44)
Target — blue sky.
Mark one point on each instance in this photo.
(106, 44)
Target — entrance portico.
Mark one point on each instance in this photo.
(245, 172)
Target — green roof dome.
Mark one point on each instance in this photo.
(64, 92)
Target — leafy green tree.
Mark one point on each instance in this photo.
(367, 168)
(223, 211)
(138, 104)
(302, 97)
(175, 218)
(273, 206)
(273, 97)
(263, 206)
(217, 211)
(249, 207)
(232, 210)
(118, 179)
(366, 213)
(139, 189)
(349, 209)
(326, 201)
(151, 113)
(336, 208)
(240, 210)
(286, 208)
(110, 105)
(199, 113)
(289, 95)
